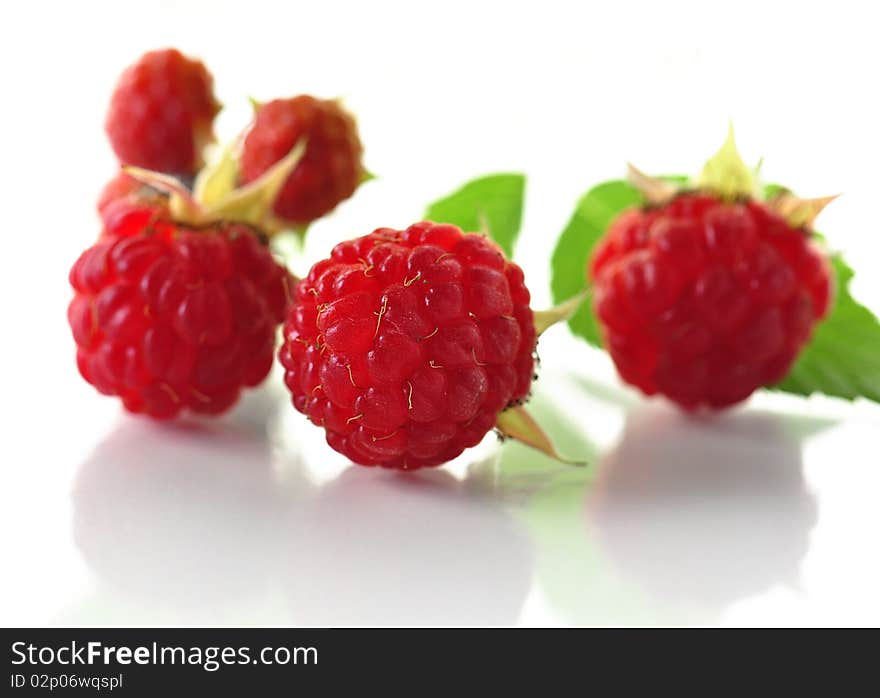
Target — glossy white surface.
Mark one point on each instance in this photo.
(764, 515)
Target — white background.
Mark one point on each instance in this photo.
(766, 515)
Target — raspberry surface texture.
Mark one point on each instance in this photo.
(406, 345)
(161, 113)
(331, 167)
(170, 318)
(704, 301)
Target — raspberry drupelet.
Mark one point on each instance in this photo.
(406, 345)
(704, 300)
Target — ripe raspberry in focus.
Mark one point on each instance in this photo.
(406, 345)
(704, 300)
(170, 319)
(162, 112)
(331, 167)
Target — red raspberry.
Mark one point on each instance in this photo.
(331, 167)
(162, 112)
(126, 204)
(406, 345)
(170, 318)
(122, 186)
(705, 301)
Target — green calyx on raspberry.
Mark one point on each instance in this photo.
(215, 196)
(728, 178)
(726, 175)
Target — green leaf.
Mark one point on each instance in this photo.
(771, 190)
(594, 213)
(843, 357)
(492, 204)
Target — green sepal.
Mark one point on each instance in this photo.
(726, 175)
(218, 179)
(253, 203)
(516, 423)
(545, 319)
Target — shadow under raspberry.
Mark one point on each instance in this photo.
(408, 549)
(211, 522)
(704, 512)
(178, 522)
(679, 519)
